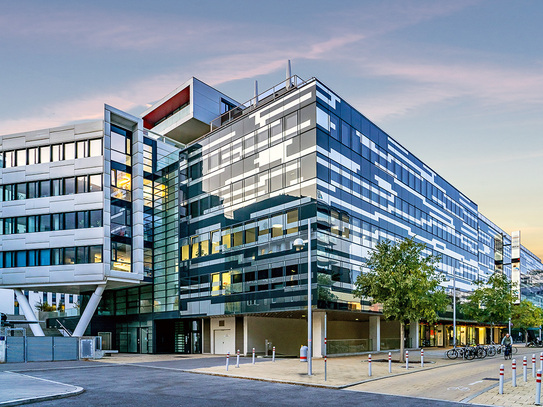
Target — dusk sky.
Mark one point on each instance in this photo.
(458, 83)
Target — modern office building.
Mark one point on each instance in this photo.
(178, 226)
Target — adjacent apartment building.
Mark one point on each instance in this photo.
(177, 227)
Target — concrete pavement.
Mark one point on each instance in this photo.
(17, 389)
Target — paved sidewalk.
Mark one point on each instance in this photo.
(17, 389)
(340, 371)
(522, 395)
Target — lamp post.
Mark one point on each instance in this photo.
(454, 308)
(299, 244)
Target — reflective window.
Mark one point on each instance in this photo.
(45, 188)
(33, 156)
(21, 191)
(21, 158)
(9, 159)
(95, 147)
(95, 220)
(45, 223)
(56, 187)
(81, 184)
(69, 186)
(69, 255)
(69, 151)
(95, 182)
(56, 152)
(45, 154)
(81, 148)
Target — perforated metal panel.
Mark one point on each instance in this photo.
(39, 348)
(65, 348)
(87, 348)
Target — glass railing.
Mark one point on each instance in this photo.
(390, 343)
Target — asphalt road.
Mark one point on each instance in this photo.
(165, 384)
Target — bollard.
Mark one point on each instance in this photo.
(422, 358)
(325, 350)
(501, 379)
(389, 362)
(237, 359)
(273, 354)
(533, 366)
(227, 360)
(369, 365)
(524, 370)
(514, 372)
(253, 356)
(538, 389)
(541, 361)
(407, 359)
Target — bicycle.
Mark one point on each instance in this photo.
(507, 352)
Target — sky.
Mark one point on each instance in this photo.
(458, 83)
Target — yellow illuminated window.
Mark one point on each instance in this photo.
(185, 252)
(226, 280)
(195, 247)
(204, 248)
(226, 238)
(215, 283)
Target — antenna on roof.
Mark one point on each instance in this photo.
(255, 101)
(289, 74)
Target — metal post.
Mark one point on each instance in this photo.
(369, 365)
(253, 356)
(325, 346)
(509, 327)
(407, 359)
(309, 308)
(227, 360)
(273, 354)
(501, 379)
(389, 362)
(538, 389)
(533, 365)
(524, 369)
(422, 358)
(514, 372)
(454, 308)
(237, 359)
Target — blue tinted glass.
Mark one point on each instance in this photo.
(21, 259)
(45, 257)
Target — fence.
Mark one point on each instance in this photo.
(40, 348)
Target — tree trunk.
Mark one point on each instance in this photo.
(402, 347)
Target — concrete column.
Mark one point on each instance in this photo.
(375, 332)
(28, 313)
(414, 333)
(318, 334)
(89, 311)
(246, 335)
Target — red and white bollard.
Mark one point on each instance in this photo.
(541, 361)
(237, 359)
(501, 379)
(422, 358)
(538, 389)
(524, 369)
(389, 362)
(407, 359)
(514, 372)
(273, 354)
(253, 356)
(227, 360)
(533, 365)
(324, 367)
(369, 365)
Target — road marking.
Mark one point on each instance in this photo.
(461, 388)
(478, 381)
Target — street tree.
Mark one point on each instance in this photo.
(526, 315)
(404, 281)
(491, 301)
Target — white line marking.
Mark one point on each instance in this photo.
(478, 381)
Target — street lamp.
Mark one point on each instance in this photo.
(299, 244)
(454, 308)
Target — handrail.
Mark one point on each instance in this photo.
(64, 328)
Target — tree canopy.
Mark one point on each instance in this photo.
(491, 301)
(404, 281)
(526, 315)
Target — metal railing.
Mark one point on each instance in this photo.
(66, 330)
(267, 96)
